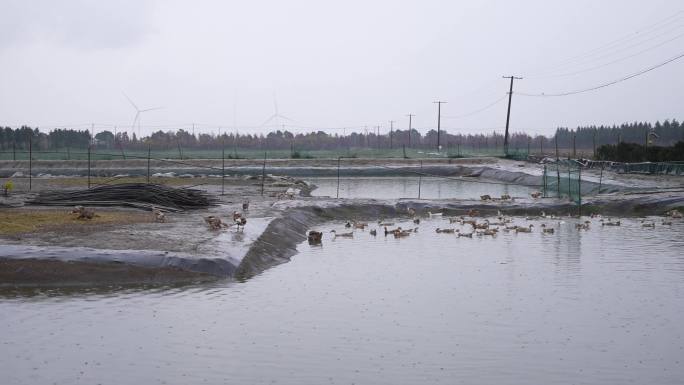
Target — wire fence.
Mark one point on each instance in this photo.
(450, 151)
(563, 180)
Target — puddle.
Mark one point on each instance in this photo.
(430, 188)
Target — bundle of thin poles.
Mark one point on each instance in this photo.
(140, 195)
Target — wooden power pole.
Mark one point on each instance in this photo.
(508, 114)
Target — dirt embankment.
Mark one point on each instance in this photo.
(50, 272)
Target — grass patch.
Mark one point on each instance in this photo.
(22, 221)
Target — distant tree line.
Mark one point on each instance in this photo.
(662, 134)
(634, 152)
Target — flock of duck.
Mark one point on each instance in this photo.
(470, 225)
(239, 220)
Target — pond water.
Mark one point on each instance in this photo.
(430, 188)
(603, 306)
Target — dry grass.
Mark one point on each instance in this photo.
(22, 221)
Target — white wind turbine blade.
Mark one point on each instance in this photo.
(270, 118)
(151, 109)
(135, 120)
(275, 104)
(130, 101)
(286, 118)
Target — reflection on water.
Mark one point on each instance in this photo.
(603, 307)
(397, 188)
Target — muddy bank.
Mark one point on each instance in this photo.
(33, 272)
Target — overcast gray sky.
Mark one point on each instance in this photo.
(337, 63)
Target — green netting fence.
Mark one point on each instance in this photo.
(563, 180)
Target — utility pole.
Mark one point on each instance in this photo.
(410, 116)
(377, 136)
(391, 132)
(439, 122)
(508, 114)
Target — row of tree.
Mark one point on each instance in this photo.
(662, 134)
(634, 152)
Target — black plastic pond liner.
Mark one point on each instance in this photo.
(140, 195)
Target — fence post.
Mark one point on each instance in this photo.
(149, 153)
(338, 176)
(180, 152)
(601, 177)
(579, 190)
(14, 150)
(223, 166)
(68, 153)
(569, 194)
(544, 182)
(89, 166)
(263, 175)
(420, 178)
(30, 161)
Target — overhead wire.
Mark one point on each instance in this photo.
(610, 62)
(639, 34)
(481, 109)
(603, 85)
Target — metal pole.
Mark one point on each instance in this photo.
(338, 177)
(420, 178)
(574, 146)
(391, 133)
(149, 154)
(601, 177)
(579, 190)
(439, 122)
(263, 175)
(14, 150)
(410, 128)
(88, 166)
(30, 160)
(223, 167)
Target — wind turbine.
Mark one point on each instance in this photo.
(276, 116)
(138, 112)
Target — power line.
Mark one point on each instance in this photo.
(636, 35)
(610, 62)
(486, 107)
(603, 85)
